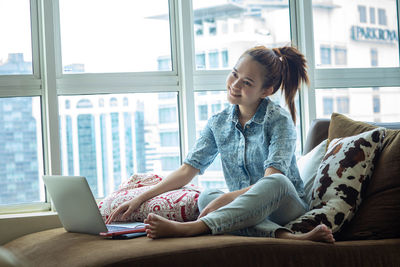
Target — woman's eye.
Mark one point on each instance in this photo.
(247, 83)
(234, 74)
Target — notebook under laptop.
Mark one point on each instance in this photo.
(77, 208)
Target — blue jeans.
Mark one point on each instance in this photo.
(270, 203)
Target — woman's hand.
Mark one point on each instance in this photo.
(126, 209)
(218, 203)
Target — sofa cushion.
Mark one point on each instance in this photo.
(378, 215)
(308, 167)
(58, 248)
(345, 168)
(177, 205)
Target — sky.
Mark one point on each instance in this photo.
(101, 34)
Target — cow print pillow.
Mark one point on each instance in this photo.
(342, 175)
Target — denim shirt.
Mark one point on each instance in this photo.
(267, 140)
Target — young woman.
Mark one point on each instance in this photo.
(256, 139)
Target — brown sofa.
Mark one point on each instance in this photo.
(372, 238)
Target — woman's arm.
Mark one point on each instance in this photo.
(175, 180)
(230, 196)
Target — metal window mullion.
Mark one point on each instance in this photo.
(35, 39)
(94, 83)
(210, 80)
(48, 66)
(357, 77)
(398, 27)
(301, 19)
(173, 36)
(185, 68)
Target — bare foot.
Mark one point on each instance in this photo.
(157, 226)
(320, 233)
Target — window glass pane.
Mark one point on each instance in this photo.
(15, 32)
(372, 15)
(107, 138)
(213, 177)
(340, 56)
(223, 30)
(115, 36)
(362, 11)
(382, 16)
(325, 55)
(373, 28)
(21, 164)
(379, 104)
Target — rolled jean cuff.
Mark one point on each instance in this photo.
(209, 225)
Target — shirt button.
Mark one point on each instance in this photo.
(248, 126)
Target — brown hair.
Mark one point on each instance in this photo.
(286, 69)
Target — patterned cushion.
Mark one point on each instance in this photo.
(342, 175)
(178, 205)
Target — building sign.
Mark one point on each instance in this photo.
(370, 34)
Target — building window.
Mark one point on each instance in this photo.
(340, 56)
(164, 64)
(376, 103)
(20, 132)
(167, 95)
(325, 55)
(168, 139)
(362, 11)
(169, 163)
(382, 16)
(198, 27)
(224, 27)
(212, 30)
(200, 61)
(167, 115)
(203, 114)
(225, 59)
(343, 104)
(372, 15)
(374, 57)
(126, 102)
(113, 102)
(84, 103)
(328, 105)
(215, 108)
(213, 60)
(87, 150)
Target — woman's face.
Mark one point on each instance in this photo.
(244, 83)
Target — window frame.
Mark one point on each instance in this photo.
(48, 81)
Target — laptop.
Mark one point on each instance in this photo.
(78, 211)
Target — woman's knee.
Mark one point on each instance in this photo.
(277, 180)
(207, 196)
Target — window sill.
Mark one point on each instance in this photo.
(27, 215)
(20, 224)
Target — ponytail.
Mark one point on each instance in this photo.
(286, 70)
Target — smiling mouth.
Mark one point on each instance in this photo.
(233, 94)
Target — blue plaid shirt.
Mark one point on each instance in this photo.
(267, 140)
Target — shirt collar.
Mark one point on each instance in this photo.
(258, 116)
